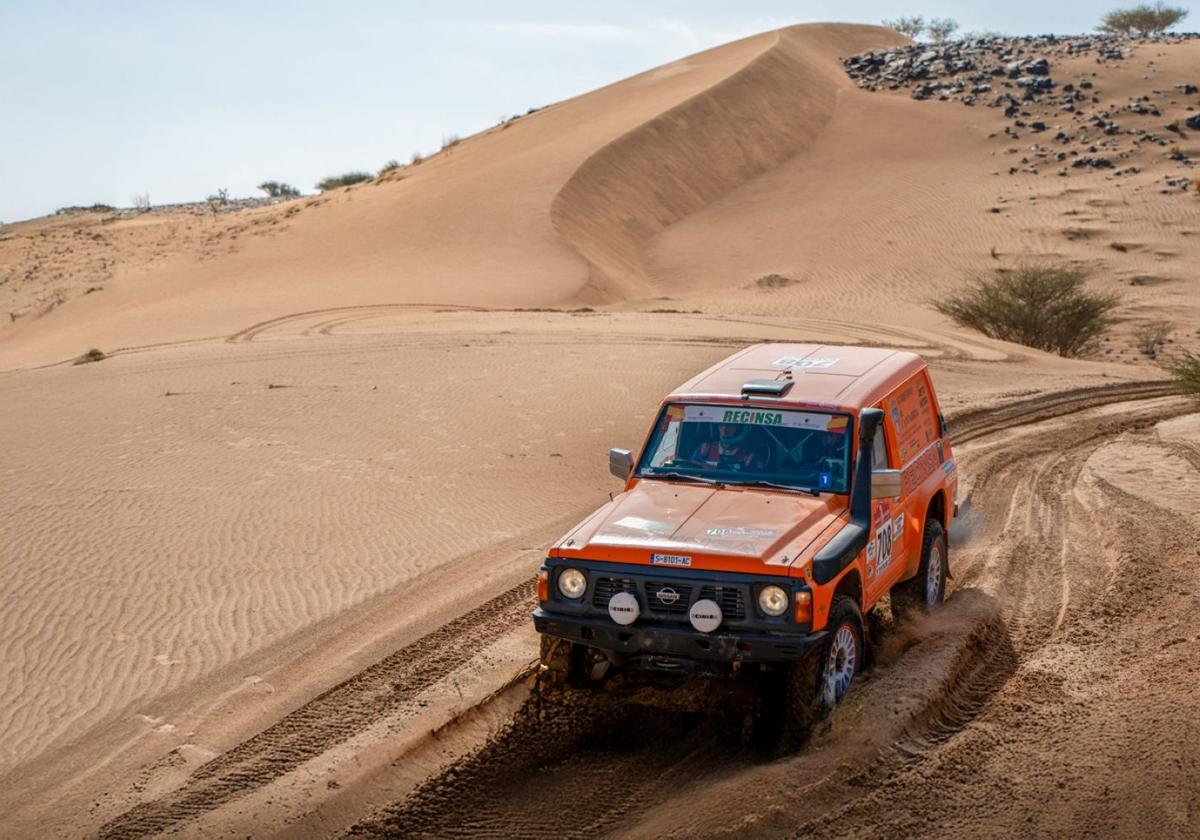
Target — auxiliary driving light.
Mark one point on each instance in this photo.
(773, 601)
(572, 583)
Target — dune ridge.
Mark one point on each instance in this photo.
(753, 120)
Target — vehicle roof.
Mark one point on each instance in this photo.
(843, 377)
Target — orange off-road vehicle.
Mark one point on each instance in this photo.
(777, 498)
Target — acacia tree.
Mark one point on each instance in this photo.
(909, 27)
(1142, 20)
(940, 29)
(278, 189)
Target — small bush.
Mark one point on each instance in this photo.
(449, 141)
(1142, 20)
(141, 203)
(909, 27)
(335, 181)
(90, 356)
(1184, 369)
(1045, 307)
(278, 189)
(1150, 338)
(416, 159)
(940, 29)
(219, 198)
(389, 166)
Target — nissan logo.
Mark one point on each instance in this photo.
(667, 595)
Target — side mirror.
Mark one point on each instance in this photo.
(620, 463)
(885, 484)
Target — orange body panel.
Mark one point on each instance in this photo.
(776, 533)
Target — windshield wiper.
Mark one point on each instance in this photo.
(685, 476)
(777, 486)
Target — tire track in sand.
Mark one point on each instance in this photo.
(969, 652)
(329, 719)
(349, 708)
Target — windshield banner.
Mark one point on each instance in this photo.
(763, 417)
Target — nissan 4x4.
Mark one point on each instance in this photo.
(778, 497)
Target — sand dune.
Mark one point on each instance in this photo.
(326, 428)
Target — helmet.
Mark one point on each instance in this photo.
(731, 442)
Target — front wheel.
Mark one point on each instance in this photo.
(843, 653)
(570, 663)
(927, 590)
(812, 687)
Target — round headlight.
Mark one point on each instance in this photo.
(772, 600)
(572, 583)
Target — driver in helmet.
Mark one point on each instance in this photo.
(819, 447)
(732, 450)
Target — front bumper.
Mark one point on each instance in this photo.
(680, 647)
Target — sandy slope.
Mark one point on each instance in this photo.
(331, 427)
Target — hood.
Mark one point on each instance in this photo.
(729, 528)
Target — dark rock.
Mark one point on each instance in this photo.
(1038, 67)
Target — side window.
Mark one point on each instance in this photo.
(879, 450)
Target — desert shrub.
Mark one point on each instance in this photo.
(909, 27)
(389, 166)
(1150, 338)
(1047, 307)
(219, 198)
(278, 189)
(449, 141)
(92, 355)
(335, 181)
(1184, 368)
(416, 158)
(75, 208)
(141, 203)
(940, 29)
(1142, 20)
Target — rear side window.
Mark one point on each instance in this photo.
(910, 412)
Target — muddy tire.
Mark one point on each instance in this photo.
(567, 663)
(927, 589)
(790, 700)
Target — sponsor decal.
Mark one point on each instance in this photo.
(804, 363)
(670, 560)
(752, 417)
(888, 533)
(947, 467)
(740, 533)
(915, 473)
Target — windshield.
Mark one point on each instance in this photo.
(807, 450)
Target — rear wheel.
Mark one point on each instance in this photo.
(927, 589)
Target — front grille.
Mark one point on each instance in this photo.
(606, 587)
(728, 598)
(731, 599)
(678, 605)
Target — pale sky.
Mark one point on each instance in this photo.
(102, 101)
